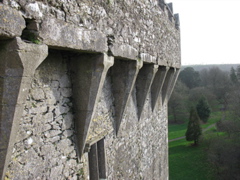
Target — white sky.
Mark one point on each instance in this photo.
(210, 31)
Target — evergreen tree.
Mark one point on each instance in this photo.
(203, 109)
(233, 76)
(194, 129)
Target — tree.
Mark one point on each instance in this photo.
(234, 103)
(190, 77)
(238, 72)
(224, 155)
(223, 152)
(196, 93)
(194, 129)
(218, 82)
(204, 76)
(233, 76)
(177, 103)
(203, 109)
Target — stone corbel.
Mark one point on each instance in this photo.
(158, 84)
(18, 62)
(171, 85)
(88, 75)
(143, 84)
(167, 84)
(124, 74)
(162, 4)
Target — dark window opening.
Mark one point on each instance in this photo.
(96, 159)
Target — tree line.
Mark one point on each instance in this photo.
(219, 88)
(196, 95)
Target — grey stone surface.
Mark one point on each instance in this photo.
(11, 22)
(131, 28)
(73, 100)
(167, 84)
(58, 33)
(173, 82)
(103, 120)
(134, 154)
(88, 74)
(145, 57)
(18, 63)
(45, 146)
(143, 85)
(38, 94)
(124, 74)
(124, 51)
(157, 84)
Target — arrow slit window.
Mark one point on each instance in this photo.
(96, 159)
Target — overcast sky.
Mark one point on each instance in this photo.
(210, 31)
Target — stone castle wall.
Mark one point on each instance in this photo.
(44, 147)
(84, 88)
(141, 27)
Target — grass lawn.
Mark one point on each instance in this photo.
(176, 130)
(188, 162)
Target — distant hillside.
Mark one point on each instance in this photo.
(224, 67)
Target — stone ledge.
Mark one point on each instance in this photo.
(124, 51)
(175, 63)
(59, 34)
(145, 57)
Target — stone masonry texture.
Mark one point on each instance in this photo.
(87, 24)
(44, 147)
(113, 39)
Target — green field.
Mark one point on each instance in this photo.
(188, 162)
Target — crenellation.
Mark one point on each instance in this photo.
(162, 4)
(177, 21)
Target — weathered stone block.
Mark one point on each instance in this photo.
(66, 92)
(60, 34)
(11, 22)
(56, 171)
(124, 51)
(38, 94)
(52, 133)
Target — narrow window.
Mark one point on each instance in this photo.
(96, 158)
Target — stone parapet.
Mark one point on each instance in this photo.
(135, 28)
